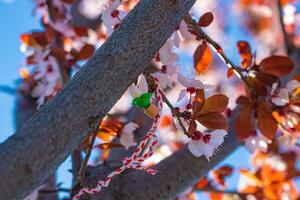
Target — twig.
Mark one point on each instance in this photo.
(287, 42)
(7, 89)
(51, 10)
(76, 164)
(83, 167)
(55, 190)
(197, 29)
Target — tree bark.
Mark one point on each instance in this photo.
(34, 152)
(25, 107)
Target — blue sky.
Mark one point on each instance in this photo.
(17, 18)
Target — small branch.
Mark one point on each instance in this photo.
(288, 45)
(55, 190)
(83, 167)
(76, 164)
(197, 29)
(51, 10)
(7, 89)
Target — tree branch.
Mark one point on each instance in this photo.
(38, 147)
(287, 43)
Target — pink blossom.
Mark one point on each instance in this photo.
(190, 84)
(206, 143)
(127, 137)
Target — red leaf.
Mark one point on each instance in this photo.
(266, 123)
(86, 52)
(276, 65)
(40, 38)
(206, 19)
(230, 73)
(245, 53)
(202, 58)
(81, 31)
(243, 123)
(215, 103)
(213, 120)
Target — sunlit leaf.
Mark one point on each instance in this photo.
(206, 19)
(276, 65)
(86, 52)
(265, 121)
(213, 120)
(215, 103)
(245, 53)
(243, 124)
(202, 58)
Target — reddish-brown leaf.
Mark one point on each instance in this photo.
(50, 33)
(213, 120)
(243, 124)
(86, 52)
(28, 40)
(220, 174)
(265, 121)
(206, 19)
(266, 79)
(108, 145)
(242, 100)
(198, 101)
(59, 54)
(230, 73)
(215, 103)
(245, 53)
(192, 128)
(202, 58)
(276, 65)
(40, 38)
(81, 31)
(202, 183)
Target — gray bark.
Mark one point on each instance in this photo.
(25, 106)
(34, 152)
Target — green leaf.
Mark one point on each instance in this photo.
(142, 101)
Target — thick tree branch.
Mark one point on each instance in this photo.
(44, 141)
(25, 106)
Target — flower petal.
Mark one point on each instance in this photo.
(142, 84)
(217, 137)
(134, 91)
(182, 94)
(129, 128)
(127, 140)
(196, 84)
(195, 147)
(292, 85)
(182, 80)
